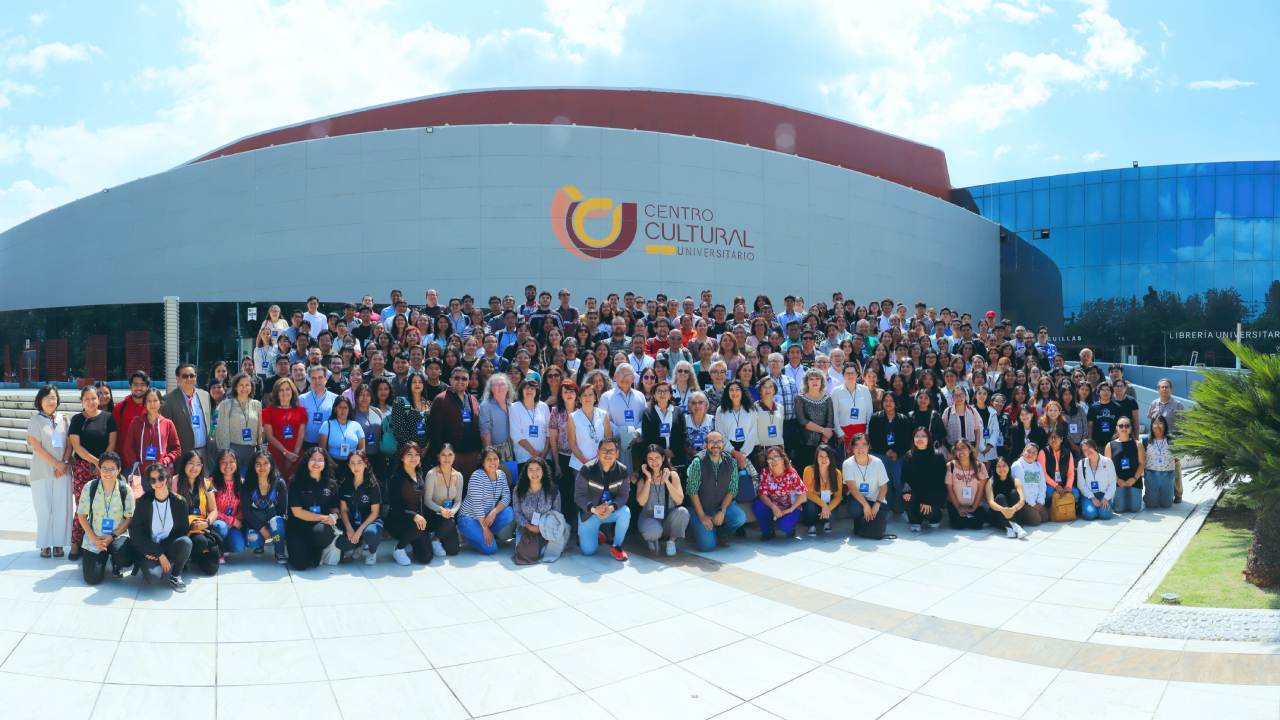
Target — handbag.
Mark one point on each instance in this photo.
(1063, 507)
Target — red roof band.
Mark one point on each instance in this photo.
(717, 117)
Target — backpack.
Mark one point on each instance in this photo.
(121, 489)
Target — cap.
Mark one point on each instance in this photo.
(991, 313)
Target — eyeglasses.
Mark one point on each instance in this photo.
(187, 376)
(682, 372)
(609, 451)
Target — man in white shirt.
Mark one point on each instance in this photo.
(853, 404)
(794, 369)
(318, 402)
(624, 405)
(638, 360)
(312, 315)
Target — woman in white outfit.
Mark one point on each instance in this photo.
(587, 427)
(50, 475)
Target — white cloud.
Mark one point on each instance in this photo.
(57, 52)
(39, 19)
(1023, 13)
(1165, 28)
(1094, 157)
(23, 199)
(1001, 150)
(1223, 84)
(1109, 48)
(596, 24)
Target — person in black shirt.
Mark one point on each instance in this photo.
(924, 480)
(359, 501)
(1103, 416)
(433, 367)
(313, 499)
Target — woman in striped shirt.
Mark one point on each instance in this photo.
(486, 510)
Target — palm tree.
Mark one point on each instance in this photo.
(1234, 430)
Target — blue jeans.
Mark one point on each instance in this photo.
(705, 539)
(253, 540)
(1127, 499)
(371, 538)
(1159, 487)
(589, 529)
(473, 532)
(894, 470)
(233, 536)
(1089, 512)
(764, 516)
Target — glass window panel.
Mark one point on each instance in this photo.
(1244, 196)
(1186, 279)
(1110, 176)
(1129, 243)
(1186, 198)
(1186, 170)
(1110, 282)
(1111, 202)
(1263, 245)
(1244, 239)
(978, 191)
(1263, 168)
(1075, 179)
(1146, 242)
(1167, 242)
(1057, 247)
(1111, 245)
(1224, 275)
(1149, 172)
(1006, 188)
(1204, 243)
(1204, 277)
(1261, 281)
(1094, 279)
(1058, 181)
(1040, 210)
(1244, 280)
(1166, 199)
(1186, 240)
(1167, 277)
(1093, 245)
(1129, 173)
(1263, 195)
(1092, 204)
(1022, 185)
(1225, 205)
(1129, 281)
(991, 209)
(1223, 239)
(1073, 286)
(1168, 171)
(1057, 208)
(1243, 168)
(1071, 254)
(1025, 217)
(1204, 197)
(1075, 205)
(1093, 177)
(1205, 169)
(1040, 183)
(1008, 210)
(1008, 257)
(1146, 279)
(1129, 202)
(1147, 200)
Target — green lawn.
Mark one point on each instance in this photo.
(1209, 572)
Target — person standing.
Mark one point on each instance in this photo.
(1169, 408)
(318, 403)
(890, 438)
(625, 406)
(104, 512)
(455, 420)
(239, 426)
(282, 425)
(50, 475)
(132, 406)
(91, 433)
(191, 411)
(852, 402)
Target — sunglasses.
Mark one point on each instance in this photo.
(187, 376)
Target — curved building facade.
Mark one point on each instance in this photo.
(483, 192)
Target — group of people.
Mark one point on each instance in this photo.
(447, 425)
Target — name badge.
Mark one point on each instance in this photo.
(151, 453)
(986, 433)
(537, 518)
(195, 420)
(446, 504)
(864, 488)
(57, 440)
(1124, 463)
(533, 433)
(246, 435)
(659, 512)
(108, 525)
(773, 431)
(275, 333)
(466, 414)
(966, 492)
(889, 438)
(288, 432)
(826, 496)
(315, 509)
(194, 511)
(265, 365)
(421, 427)
(629, 415)
(317, 417)
(1072, 428)
(1000, 441)
(1094, 485)
(357, 515)
(605, 498)
(740, 434)
(1106, 426)
(664, 429)
(344, 448)
(1057, 477)
(853, 413)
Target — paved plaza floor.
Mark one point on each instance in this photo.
(939, 624)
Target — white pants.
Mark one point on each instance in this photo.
(54, 511)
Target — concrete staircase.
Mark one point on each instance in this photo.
(16, 410)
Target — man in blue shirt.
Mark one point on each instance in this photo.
(791, 314)
(318, 402)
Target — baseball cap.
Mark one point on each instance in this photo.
(991, 313)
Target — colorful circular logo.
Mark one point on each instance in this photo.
(569, 211)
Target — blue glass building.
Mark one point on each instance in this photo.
(1068, 239)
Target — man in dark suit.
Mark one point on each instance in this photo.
(191, 411)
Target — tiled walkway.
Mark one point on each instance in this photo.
(942, 624)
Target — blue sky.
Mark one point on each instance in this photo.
(96, 94)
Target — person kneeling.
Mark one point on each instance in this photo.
(158, 533)
(600, 492)
(486, 512)
(1098, 478)
(196, 491)
(310, 530)
(659, 495)
(868, 484)
(782, 494)
(543, 531)
(105, 511)
(359, 502)
(966, 479)
(1006, 500)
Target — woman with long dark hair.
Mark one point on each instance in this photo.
(313, 499)
(91, 433)
(264, 505)
(226, 494)
(535, 498)
(359, 503)
(407, 521)
(202, 510)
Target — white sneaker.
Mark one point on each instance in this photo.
(371, 558)
(826, 527)
(905, 519)
(1018, 529)
(400, 556)
(813, 531)
(915, 528)
(437, 548)
(671, 548)
(926, 525)
(653, 546)
(1010, 533)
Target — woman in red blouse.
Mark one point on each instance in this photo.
(782, 494)
(226, 494)
(282, 422)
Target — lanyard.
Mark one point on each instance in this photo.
(143, 440)
(190, 400)
(532, 416)
(861, 471)
(106, 503)
(163, 519)
(591, 424)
